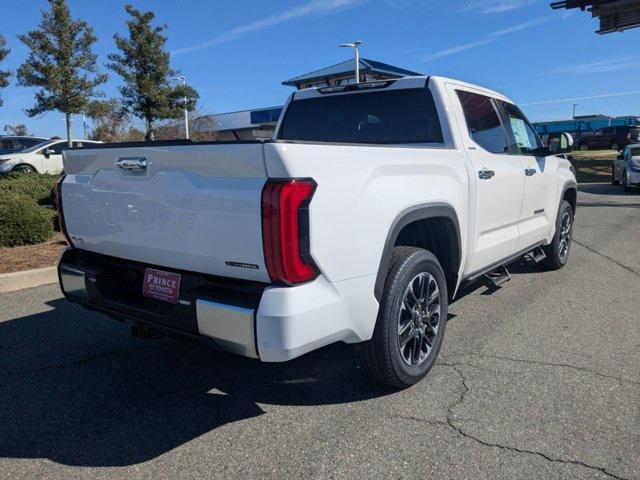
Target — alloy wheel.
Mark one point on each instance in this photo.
(419, 319)
(565, 236)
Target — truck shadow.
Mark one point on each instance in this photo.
(76, 389)
(604, 189)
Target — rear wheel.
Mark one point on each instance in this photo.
(558, 251)
(411, 320)
(24, 169)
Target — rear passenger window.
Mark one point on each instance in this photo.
(483, 122)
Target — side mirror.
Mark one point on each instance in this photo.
(557, 144)
(560, 143)
(48, 152)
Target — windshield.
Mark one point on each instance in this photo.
(37, 146)
(387, 117)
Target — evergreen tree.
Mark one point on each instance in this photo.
(4, 74)
(144, 65)
(60, 64)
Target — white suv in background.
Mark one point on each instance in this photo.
(626, 167)
(45, 157)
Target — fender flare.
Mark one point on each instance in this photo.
(570, 185)
(410, 215)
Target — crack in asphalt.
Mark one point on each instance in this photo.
(604, 255)
(550, 364)
(458, 428)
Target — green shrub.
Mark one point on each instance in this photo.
(39, 187)
(22, 220)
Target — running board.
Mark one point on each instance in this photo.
(535, 256)
(498, 276)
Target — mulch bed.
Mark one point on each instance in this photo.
(46, 254)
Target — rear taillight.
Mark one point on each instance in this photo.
(285, 230)
(63, 227)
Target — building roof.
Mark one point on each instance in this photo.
(346, 67)
(614, 15)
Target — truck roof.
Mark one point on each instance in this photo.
(404, 82)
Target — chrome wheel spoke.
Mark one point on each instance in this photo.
(404, 328)
(417, 348)
(405, 338)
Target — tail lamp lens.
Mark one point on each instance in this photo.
(285, 230)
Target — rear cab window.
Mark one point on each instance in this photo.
(403, 116)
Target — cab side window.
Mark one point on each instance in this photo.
(483, 122)
(523, 134)
(57, 147)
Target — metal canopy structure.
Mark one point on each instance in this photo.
(345, 72)
(614, 15)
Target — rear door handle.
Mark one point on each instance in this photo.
(485, 174)
(530, 172)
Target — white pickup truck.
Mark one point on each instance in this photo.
(359, 222)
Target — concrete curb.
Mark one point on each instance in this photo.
(10, 282)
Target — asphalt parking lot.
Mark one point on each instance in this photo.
(540, 379)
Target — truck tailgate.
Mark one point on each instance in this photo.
(190, 207)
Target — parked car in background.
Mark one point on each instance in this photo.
(44, 157)
(614, 138)
(364, 216)
(626, 167)
(17, 143)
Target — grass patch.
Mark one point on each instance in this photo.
(593, 170)
(594, 154)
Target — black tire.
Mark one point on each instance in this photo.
(625, 183)
(24, 169)
(381, 357)
(557, 256)
(613, 179)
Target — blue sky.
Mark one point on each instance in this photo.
(237, 53)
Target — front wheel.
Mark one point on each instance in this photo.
(24, 169)
(411, 320)
(558, 251)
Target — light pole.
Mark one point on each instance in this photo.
(355, 46)
(183, 79)
(574, 110)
